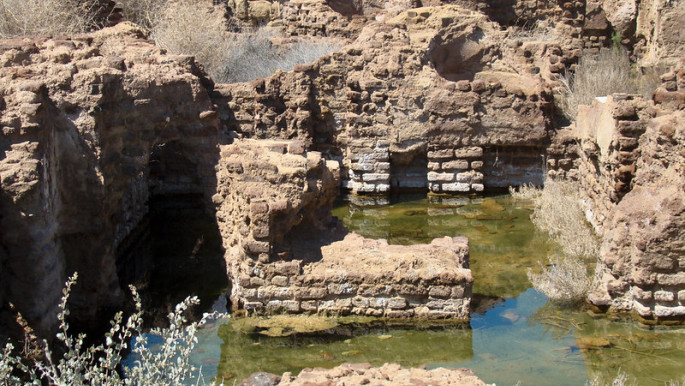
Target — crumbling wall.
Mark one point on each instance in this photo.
(385, 104)
(626, 153)
(80, 119)
(285, 253)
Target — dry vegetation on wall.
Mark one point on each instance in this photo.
(602, 74)
(557, 211)
(190, 28)
(46, 17)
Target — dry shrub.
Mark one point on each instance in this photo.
(183, 27)
(558, 212)
(525, 192)
(565, 279)
(145, 13)
(253, 56)
(46, 17)
(598, 75)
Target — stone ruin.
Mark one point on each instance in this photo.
(626, 155)
(443, 98)
(286, 254)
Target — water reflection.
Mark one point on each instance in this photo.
(516, 335)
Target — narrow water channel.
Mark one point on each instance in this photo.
(514, 335)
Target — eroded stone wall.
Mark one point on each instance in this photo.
(285, 253)
(627, 153)
(429, 80)
(80, 119)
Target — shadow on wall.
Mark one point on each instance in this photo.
(462, 55)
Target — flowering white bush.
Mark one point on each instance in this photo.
(97, 365)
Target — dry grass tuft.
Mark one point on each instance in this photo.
(182, 27)
(557, 211)
(596, 75)
(46, 17)
(565, 279)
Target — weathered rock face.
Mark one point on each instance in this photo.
(284, 254)
(362, 373)
(91, 127)
(419, 101)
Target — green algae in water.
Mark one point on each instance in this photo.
(522, 338)
(503, 241)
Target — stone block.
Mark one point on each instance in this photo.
(641, 295)
(258, 207)
(440, 292)
(253, 306)
(456, 187)
(671, 279)
(436, 304)
(681, 297)
(279, 281)
(477, 187)
(455, 165)
(360, 302)
(310, 293)
(440, 177)
(397, 303)
(641, 309)
(362, 166)
(664, 296)
(662, 311)
(341, 289)
(291, 305)
(457, 292)
(465, 177)
(434, 166)
(296, 147)
(399, 314)
(476, 165)
(382, 188)
(252, 246)
(309, 306)
(469, 152)
(249, 293)
(287, 268)
(375, 177)
(383, 166)
(442, 154)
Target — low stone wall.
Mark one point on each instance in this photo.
(456, 171)
(284, 252)
(364, 373)
(366, 277)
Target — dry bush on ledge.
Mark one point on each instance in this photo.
(598, 75)
(46, 17)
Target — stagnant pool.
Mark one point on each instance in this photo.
(514, 335)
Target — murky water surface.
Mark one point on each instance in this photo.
(515, 334)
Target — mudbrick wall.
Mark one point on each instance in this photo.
(81, 119)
